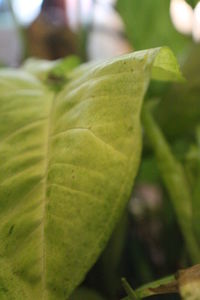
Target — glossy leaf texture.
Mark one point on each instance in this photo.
(68, 161)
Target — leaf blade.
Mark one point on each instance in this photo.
(75, 170)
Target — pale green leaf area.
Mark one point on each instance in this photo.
(68, 161)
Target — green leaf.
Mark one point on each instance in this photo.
(148, 24)
(68, 161)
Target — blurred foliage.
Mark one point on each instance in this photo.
(54, 73)
(193, 3)
(148, 170)
(179, 111)
(148, 24)
(85, 294)
(173, 175)
(106, 274)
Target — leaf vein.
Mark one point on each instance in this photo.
(65, 164)
(94, 135)
(69, 189)
(22, 129)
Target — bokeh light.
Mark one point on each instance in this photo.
(26, 11)
(182, 16)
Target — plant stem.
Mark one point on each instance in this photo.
(185, 282)
(130, 292)
(175, 181)
(165, 285)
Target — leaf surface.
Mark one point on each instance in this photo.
(68, 161)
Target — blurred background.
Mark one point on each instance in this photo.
(93, 29)
(55, 28)
(148, 243)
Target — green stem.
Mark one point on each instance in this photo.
(175, 181)
(185, 282)
(130, 292)
(165, 285)
(196, 192)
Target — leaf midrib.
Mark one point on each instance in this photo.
(46, 164)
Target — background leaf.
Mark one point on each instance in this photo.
(175, 180)
(181, 102)
(193, 3)
(148, 24)
(85, 294)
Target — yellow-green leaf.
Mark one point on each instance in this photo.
(68, 161)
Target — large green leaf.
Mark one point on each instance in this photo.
(68, 161)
